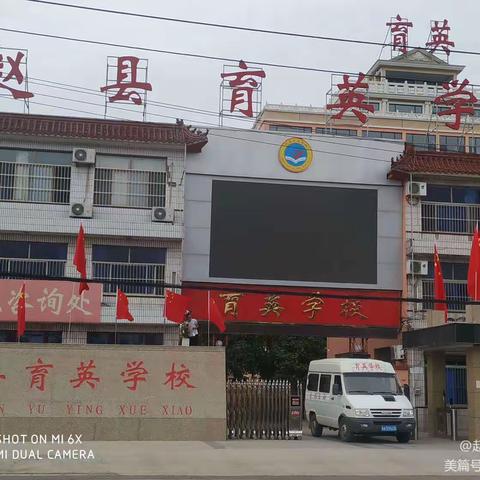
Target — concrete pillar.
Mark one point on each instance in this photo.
(435, 389)
(473, 392)
(473, 313)
(435, 318)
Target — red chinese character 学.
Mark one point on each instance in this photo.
(178, 378)
(243, 84)
(134, 373)
(458, 99)
(14, 74)
(440, 37)
(85, 375)
(39, 372)
(348, 98)
(399, 30)
(127, 80)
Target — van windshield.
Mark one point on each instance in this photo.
(371, 384)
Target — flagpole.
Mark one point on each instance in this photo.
(70, 315)
(208, 325)
(116, 320)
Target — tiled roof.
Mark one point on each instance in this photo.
(438, 163)
(99, 129)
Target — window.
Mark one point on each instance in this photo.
(452, 144)
(125, 338)
(312, 383)
(382, 134)
(421, 141)
(33, 258)
(437, 109)
(41, 337)
(337, 380)
(325, 380)
(371, 383)
(289, 128)
(341, 132)
(35, 176)
(133, 264)
(475, 145)
(405, 108)
(134, 182)
(376, 106)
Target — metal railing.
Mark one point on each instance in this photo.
(405, 88)
(130, 272)
(449, 217)
(54, 268)
(454, 289)
(27, 182)
(129, 188)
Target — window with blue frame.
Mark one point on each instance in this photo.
(123, 267)
(422, 141)
(450, 143)
(340, 132)
(450, 209)
(382, 134)
(33, 258)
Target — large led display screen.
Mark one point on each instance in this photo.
(293, 232)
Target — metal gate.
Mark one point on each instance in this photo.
(264, 409)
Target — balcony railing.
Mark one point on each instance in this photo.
(405, 88)
(449, 217)
(454, 289)
(27, 182)
(130, 272)
(21, 266)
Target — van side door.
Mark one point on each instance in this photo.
(324, 401)
(337, 399)
(311, 393)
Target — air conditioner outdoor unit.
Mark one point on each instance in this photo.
(80, 210)
(162, 214)
(83, 156)
(417, 189)
(417, 267)
(398, 353)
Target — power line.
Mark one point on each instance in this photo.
(236, 27)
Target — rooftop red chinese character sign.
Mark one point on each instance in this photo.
(439, 37)
(126, 81)
(14, 75)
(399, 33)
(240, 91)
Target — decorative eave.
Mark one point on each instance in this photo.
(434, 163)
(105, 130)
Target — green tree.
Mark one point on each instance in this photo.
(273, 357)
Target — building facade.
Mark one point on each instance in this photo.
(124, 182)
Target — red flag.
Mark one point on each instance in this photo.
(21, 313)
(175, 306)
(438, 285)
(79, 259)
(123, 313)
(473, 279)
(215, 313)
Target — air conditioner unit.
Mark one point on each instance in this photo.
(398, 353)
(83, 156)
(80, 210)
(417, 267)
(417, 189)
(162, 214)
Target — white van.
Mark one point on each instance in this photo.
(357, 396)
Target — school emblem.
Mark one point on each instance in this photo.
(295, 155)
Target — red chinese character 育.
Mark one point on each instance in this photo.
(177, 378)
(14, 74)
(39, 372)
(440, 37)
(458, 99)
(399, 30)
(243, 84)
(127, 83)
(134, 373)
(349, 98)
(85, 375)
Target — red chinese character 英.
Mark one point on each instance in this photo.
(399, 31)
(14, 74)
(440, 37)
(127, 82)
(85, 375)
(350, 99)
(177, 378)
(134, 373)
(243, 84)
(459, 101)
(39, 372)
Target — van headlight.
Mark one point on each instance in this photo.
(407, 412)
(362, 412)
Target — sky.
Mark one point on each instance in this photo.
(194, 83)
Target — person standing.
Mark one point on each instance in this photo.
(192, 329)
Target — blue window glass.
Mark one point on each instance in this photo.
(48, 251)
(438, 193)
(10, 249)
(466, 195)
(147, 255)
(109, 253)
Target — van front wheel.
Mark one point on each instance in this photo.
(344, 432)
(315, 427)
